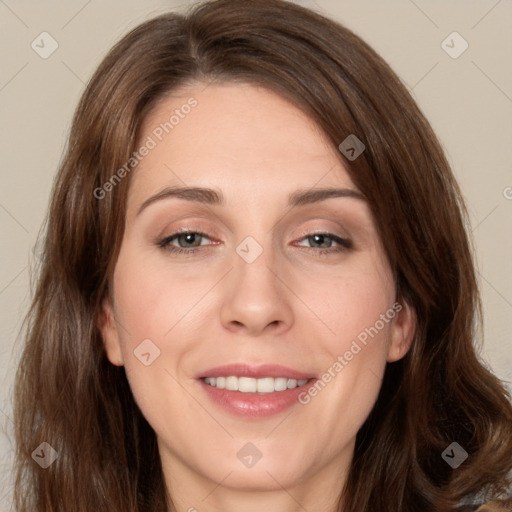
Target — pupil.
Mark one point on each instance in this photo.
(189, 238)
(319, 239)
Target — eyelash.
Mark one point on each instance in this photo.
(344, 244)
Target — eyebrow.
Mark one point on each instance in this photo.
(213, 197)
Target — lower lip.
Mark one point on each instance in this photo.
(254, 405)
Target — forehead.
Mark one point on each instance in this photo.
(234, 136)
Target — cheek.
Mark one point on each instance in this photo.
(356, 353)
(152, 300)
(350, 301)
(358, 309)
(160, 313)
(151, 311)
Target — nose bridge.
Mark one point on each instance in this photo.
(252, 273)
(255, 297)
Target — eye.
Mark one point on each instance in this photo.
(325, 240)
(190, 240)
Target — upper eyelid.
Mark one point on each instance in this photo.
(307, 231)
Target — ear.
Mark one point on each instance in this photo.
(108, 328)
(403, 328)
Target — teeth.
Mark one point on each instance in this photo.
(265, 385)
(280, 384)
(232, 383)
(247, 385)
(250, 385)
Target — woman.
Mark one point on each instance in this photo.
(254, 370)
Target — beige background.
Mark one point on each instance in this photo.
(468, 100)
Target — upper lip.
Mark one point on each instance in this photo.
(255, 371)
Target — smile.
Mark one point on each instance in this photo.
(253, 391)
(252, 385)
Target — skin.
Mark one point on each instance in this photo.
(291, 306)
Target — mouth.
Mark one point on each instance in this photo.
(253, 392)
(264, 385)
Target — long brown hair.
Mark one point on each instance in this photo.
(67, 393)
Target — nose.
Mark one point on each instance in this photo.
(256, 298)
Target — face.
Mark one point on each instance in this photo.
(260, 283)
